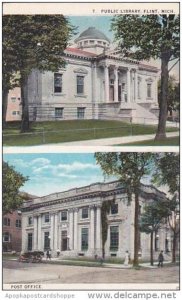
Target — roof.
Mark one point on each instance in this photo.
(78, 52)
(92, 33)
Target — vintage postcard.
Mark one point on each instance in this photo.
(90, 149)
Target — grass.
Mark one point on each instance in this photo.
(172, 141)
(72, 130)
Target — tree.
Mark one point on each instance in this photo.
(173, 94)
(130, 169)
(151, 219)
(151, 36)
(36, 42)
(12, 181)
(167, 173)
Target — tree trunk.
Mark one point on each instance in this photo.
(4, 106)
(174, 249)
(151, 249)
(136, 230)
(161, 130)
(25, 125)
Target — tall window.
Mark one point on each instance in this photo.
(114, 208)
(80, 84)
(6, 237)
(114, 238)
(30, 240)
(149, 90)
(46, 218)
(64, 216)
(46, 241)
(138, 88)
(6, 222)
(30, 220)
(18, 223)
(59, 112)
(80, 112)
(57, 83)
(84, 239)
(85, 213)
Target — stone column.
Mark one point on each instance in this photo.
(35, 231)
(136, 84)
(24, 245)
(98, 228)
(71, 229)
(56, 231)
(40, 232)
(116, 84)
(76, 229)
(106, 76)
(128, 85)
(91, 246)
(52, 233)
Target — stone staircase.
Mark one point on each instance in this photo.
(135, 112)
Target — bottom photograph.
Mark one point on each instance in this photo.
(91, 221)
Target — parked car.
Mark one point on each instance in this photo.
(33, 256)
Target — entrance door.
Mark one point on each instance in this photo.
(64, 241)
(111, 93)
(119, 92)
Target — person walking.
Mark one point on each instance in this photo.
(160, 259)
(48, 254)
(58, 252)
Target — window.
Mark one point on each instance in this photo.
(18, 223)
(57, 83)
(6, 237)
(114, 208)
(46, 218)
(30, 220)
(6, 222)
(92, 42)
(13, 99)
(64, 216)
(30, 240)
(138, 88)
(80, 84)
(85, 42)
(85, 213)
(84, 239)
(149, 90)
(81, 113)
(46, 241)
(58, 112)
(114, 238)
(15, 113)
(156, 241)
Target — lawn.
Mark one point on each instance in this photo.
(172, 141)
(72, 130)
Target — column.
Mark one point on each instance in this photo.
(106, 75)
(156, 90)
(136, 84)
(40, 232)
(35, 223)
(24, 245)
(128, 86)
(116, 84)
(76, 229)
(52, 232)
(71, 229)
(56, 231)
(91, 246)
(98, 228)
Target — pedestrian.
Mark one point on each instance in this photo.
(126, 259)
(58, 252)
(48, 254)
(160, 259)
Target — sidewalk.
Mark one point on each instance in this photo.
(116, 140)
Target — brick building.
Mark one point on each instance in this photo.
(12, 232)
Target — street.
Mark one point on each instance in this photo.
(17, 272)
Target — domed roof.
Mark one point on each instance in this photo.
(92, 33)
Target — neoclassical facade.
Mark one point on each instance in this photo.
(71, 221)
(96, 83)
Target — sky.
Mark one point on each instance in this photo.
(56, 172)
(103, 23)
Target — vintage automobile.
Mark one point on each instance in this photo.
(32, 256)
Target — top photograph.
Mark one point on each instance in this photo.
(97, 78)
